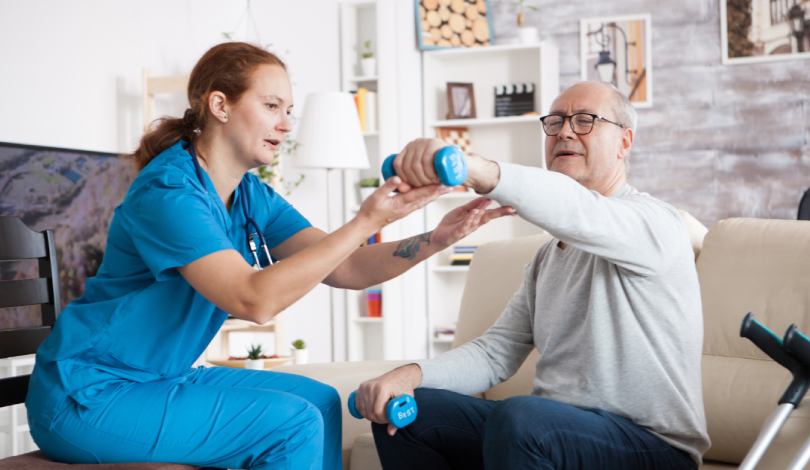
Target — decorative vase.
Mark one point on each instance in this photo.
(254, 364)
(369, 66)
(300, 356)
(527, 35)
(366, 192)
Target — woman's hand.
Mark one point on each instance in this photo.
(465, 220)
(382, 208)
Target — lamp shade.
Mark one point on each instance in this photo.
(329, 135)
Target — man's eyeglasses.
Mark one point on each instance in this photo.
(581, 123)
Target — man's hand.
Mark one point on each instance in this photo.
(464, 220)
(373, 396)
(416, 168)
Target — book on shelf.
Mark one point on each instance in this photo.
(444, 331)
(366, 102)
(463, 254)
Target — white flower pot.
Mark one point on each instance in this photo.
(369, 66)
(366, 192)
(300, 356)
(254, 364)
(528, 35)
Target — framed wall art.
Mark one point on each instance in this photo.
(442, 24)
(764, 30)
(618, 50)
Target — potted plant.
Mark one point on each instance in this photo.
(299, 351)
(255, 360)
(368, 63)
(526, 34)
(368, 186)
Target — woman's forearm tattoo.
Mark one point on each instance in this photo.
(410, 246)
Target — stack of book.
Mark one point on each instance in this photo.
(462, 254)
(445, 331)
(366, 102)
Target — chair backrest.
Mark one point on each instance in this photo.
(804, 207)
(759, 266)
(495, 274)
(18, 242)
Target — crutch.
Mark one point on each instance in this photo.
(799, 346)
(771, 345)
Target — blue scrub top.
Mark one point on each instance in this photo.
(139, 320)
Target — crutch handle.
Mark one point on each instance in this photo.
(772, 345)
(798, 344)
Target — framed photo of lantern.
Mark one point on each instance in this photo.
(618, 49)
(442, 24)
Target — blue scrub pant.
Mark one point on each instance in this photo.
(454, 431)
(217, 417)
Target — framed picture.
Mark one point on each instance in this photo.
(460, 101)
(764, 31)
(445, 24)
(618, 50)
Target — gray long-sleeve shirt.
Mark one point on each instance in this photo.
(616, 316)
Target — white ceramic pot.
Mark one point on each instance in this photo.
(254, 364)
(300, 356)
(366, 192)
(369, 66)
(528, 35)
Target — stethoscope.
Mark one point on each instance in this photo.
(250, 235)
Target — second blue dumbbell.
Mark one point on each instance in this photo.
(450, 165)
(400, 411)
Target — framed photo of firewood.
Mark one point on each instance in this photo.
(460, 101)
(442, 24)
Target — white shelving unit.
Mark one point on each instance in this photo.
(515, 139)
(361, 21)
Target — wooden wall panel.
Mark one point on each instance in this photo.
(721, 140)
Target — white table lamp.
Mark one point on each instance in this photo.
(330, 137)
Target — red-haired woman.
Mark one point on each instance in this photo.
(114, 383)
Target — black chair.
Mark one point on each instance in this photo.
(18, 242)
(804, 207)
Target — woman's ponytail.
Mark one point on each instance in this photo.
(226, 68)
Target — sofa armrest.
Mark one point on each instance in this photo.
(345, 377)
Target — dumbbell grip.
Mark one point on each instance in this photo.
(772, 345)
(449, 163)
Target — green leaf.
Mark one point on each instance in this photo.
(299, 344)
(255, 351)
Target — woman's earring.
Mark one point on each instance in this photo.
(224, 117)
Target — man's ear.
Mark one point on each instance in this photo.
(218, 105)
(625, 143)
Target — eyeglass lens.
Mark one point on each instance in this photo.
(580, 124)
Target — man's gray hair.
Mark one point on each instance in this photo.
(624, 109)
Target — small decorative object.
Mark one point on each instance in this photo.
(460, 101)
(299, 352)
(764, 31)
(526, 34)
(618, 50)
(254, 360)
(453, 23)
(368, 63)
(374, 301)
(514, 100)
(368, 186)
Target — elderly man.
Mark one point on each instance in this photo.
(612, 303)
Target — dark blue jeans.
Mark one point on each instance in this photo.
(454, 431)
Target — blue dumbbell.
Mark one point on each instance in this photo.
(401, 411)
(450, 164)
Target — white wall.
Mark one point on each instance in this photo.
(71, 77)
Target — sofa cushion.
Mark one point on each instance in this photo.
(759, 266)
(38, 461)
(364, 454)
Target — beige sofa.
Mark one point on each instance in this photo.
(762, 266)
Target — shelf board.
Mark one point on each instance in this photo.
(442, 340)
(485, 121)
(450, 269)
(368, 320)
(457, 51)
(371, 134)
(371, 78)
